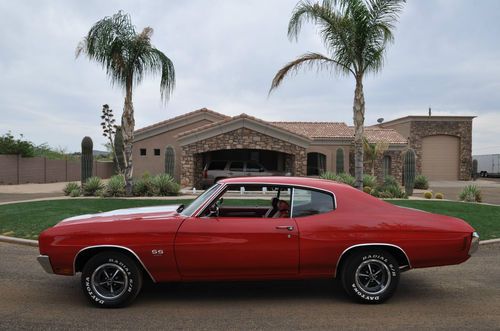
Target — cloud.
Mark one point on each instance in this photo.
(226, 53)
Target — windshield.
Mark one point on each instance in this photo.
(199, 201)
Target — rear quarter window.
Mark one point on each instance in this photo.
(311, 202)
(217, 165)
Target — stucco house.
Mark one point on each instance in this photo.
(183, 145)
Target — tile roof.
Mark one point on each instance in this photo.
(315, 130)
(180, 117)
(229, 119)
(388, 135)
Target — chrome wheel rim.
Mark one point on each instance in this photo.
(373, 276)
(109, 281)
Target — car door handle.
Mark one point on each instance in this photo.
(285, 227)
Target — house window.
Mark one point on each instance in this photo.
(316, 164)
(157, 151)
(169, 161)
(387, 166)
(340, 160)
(142, 151)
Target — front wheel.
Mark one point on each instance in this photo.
(111, 280)
(370, 276)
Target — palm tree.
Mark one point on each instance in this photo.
(355, 34)
(127, 57)
(372, 152)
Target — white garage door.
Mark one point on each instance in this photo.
(440, 157)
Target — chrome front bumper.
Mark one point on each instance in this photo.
(474, 245)
(44, 261)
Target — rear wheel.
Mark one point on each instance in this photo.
(111, 279)
(370, 276)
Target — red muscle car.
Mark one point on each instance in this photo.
(300, 228)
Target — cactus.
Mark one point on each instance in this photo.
(474, 169)
(409, 171)
(119, 162)
(87, 159)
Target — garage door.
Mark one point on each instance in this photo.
(440, 157)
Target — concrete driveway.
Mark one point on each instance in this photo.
(465, 296)
(490, 189)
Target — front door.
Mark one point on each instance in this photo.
(237, 247)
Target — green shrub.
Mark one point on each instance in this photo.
(395, 191)
(367, 189)
(471, 193)
(340, 178)
(70, 187)
(369, 180)
(328, 175)
(75, 193)
(439, 196)
(115, 186)
(346, 179)
(421, 182)
(92, 187)
(390, 181)
(143, 186)
(164, 184)
(428, 195)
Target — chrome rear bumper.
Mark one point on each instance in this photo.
(474, 245)
(44, 261)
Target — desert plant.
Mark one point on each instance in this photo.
(86, 159)
(75, 193)
(143, 186)
(356, 34)
(390, 180)
(367, 189)
(428, 195)
(421, 182)
(409, 171)
(92, 187)
(370, 181)
(127, 57)
(115, 187)
(328, 175)
(439, 196)
(70, 187)
(395, 191)
(471, 193)
(164, 184)
(346, 179)
(372, 151)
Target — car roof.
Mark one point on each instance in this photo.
(287, 180)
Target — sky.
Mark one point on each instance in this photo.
(446, 56)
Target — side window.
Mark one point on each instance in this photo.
(253, 166)
(311, 202)
(236, 166)
(217, 165)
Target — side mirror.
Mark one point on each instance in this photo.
(180, 209)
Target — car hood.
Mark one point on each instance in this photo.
(124, 214)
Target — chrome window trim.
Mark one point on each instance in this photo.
(112, 246)
(371, 244)
(211, 198)
(291, 201)
(292, 186)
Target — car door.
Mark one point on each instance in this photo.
(237, 247)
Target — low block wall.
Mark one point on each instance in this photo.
(15, 169)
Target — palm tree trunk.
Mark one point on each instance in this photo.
(359, 120)
(128, 123)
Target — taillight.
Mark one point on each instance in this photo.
(205, 173)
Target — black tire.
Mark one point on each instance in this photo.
(108, 269)
(370, 276)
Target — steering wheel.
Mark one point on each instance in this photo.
(214, 210)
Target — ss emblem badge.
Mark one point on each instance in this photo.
(157, 252)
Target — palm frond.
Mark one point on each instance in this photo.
(310, 60)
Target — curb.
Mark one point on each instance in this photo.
(34, 243)
(19, 241)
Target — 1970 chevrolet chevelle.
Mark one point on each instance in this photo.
(300, 228)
